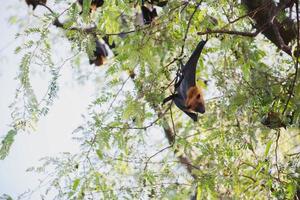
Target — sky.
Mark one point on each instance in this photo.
(53, 132)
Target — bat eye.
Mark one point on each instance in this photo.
(198, 96)
(188, 106)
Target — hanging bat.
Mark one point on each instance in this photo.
(148, 14)
(272, 120)
(148, 11)
(100, 54)
(94, 4)
(188, 96)
(101, 51)
(35, 3)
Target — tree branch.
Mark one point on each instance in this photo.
(280, 33)
(292, 88)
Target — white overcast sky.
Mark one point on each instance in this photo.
(53, 134)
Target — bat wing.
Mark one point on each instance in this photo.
(192, 115)
(179, 101)
(161, 4)
(106, 40)
(100, 49)
(189, 69)
(148, 14)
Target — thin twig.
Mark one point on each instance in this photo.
(47, 7)
(188, 27)
(155, 154)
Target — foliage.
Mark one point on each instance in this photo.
(125, 154)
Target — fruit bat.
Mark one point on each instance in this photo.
(101, 51)
(148, 15)
(272, 120)
(188, 96)
(35, 3)
(94, 4)
(100, 54)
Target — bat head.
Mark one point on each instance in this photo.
(100, 60)
(195, 100)
(93, 7)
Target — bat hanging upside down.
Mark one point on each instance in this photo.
(100, 54)
(94, 4)
(101, 51)
(189, 96)
(148, 11)
(35, 3)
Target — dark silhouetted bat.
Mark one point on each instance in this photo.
(35, 3)
(94, 4)
(100, 54)
(148, 15)
(188, 96)
(149, 11)
(101, 51)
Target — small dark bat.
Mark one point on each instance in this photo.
(148, 15)
(101, 51)
(35, 3)
(100, 54)
(188, 96)
(94, 4)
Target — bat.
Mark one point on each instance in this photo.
(35, 3)
(149, 11)
(101, 51)
(188, 96)
(94, 4)
(100, 54)
(148, 15)
(272, 120)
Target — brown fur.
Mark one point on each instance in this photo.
(100, 60)
(93, 7)
(194, 98)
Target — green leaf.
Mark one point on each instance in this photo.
(99, 154)
(199, 192)
(75, 184)
(6, 197)
(6, 143)
(86, 9)
(268, 148)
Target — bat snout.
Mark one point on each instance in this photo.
(200, 109)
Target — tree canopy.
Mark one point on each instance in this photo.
(246, 144)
